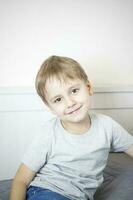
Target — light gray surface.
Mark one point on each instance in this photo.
(118, 183)
(5, 186)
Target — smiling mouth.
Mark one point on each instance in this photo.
(74, 111)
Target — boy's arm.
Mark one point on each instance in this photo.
(130, 151)
(20, 183)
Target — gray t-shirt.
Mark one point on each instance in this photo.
(71, 164)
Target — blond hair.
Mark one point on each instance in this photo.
(62, 68)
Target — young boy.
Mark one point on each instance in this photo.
(67, 159)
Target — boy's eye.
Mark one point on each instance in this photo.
(75, 90)
(57, 100)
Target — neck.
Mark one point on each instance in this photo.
(77, 128)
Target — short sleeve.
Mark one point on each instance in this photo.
(37, 152)
(121, 139)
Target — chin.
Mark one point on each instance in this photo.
(76, 119)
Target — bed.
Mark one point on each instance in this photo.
(117, 185)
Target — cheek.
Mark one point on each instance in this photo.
(57, 111)
(84, 96)
(85, 99)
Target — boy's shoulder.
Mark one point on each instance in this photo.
(102, 119)
(104, 123)
(100, 116)
(45, 129)
(49, 124)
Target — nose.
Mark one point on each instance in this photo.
(70, 102)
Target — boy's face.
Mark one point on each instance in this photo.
(69, 100)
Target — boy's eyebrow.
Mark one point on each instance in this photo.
(77, 85)
(59, 95)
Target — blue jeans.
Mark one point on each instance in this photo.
(38, 193)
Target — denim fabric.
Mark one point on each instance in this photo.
(38, 193)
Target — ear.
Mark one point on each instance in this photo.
(89, 86)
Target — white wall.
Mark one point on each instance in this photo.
(97, 33)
